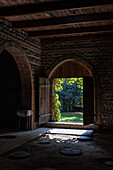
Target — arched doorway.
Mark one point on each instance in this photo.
(17, 77)
(77, 68)
(10, 90)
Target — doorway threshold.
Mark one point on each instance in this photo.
(71, 125)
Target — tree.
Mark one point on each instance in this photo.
(79, 82)
(69, 94)
(58, 84)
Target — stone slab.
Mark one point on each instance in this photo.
(71, 131)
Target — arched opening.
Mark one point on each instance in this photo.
(10, 90)
(16, 69)
(75, 68)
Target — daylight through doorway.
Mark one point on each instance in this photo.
(68, 100)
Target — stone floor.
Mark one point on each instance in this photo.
(21, 138)
(93, 157)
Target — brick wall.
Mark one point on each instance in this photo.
(26, 53)
(99, 55)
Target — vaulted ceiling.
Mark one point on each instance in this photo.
(53, 19)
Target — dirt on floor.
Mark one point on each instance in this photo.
(47, 156)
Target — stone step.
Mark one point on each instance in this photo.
(71, 125)
(76, 132)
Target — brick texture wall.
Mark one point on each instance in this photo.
(31, 57)
(26, 52)
(99, 55)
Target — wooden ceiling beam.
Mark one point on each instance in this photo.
(62, 20)
(76, 38)
(70, 30)
(71, 25)
(49, 6)
(97, 34)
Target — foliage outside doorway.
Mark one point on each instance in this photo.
(68, 99)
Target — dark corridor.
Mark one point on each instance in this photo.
(10, 90)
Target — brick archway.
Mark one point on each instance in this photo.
(92, 72)
(24, 69)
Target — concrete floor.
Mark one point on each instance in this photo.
(93, 157)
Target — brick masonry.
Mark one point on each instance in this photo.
(31, 57)
(26, 52)
(99, 55)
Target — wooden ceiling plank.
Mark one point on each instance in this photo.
(72, 25)
(75, 38)
(49, 6)
(5, 3)
(70, 12)
(97, 33)
(62, 20)
(70, 30)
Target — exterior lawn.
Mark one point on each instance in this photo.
(71, 117)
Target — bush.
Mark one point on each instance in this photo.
(56, 105)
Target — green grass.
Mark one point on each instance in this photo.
(72, 117)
